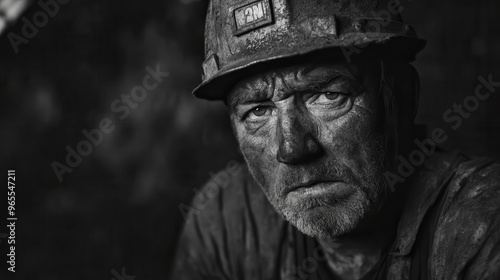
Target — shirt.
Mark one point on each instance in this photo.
(448, 229)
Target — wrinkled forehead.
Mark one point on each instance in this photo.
(301, 76)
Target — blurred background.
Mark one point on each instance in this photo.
(119, 208)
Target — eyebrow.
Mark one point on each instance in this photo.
(328, 74)
(322, 79)
(242, 96)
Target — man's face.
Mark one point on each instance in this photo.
(312, 135)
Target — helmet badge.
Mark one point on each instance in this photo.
(252, 16)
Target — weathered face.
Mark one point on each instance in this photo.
(312, 137)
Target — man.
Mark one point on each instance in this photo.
(322, 97)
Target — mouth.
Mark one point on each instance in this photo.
(309, 184)
(319, 188)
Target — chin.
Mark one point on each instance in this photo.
(328, 221)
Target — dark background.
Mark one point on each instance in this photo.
(119, 208)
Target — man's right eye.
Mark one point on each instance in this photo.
(257, 113)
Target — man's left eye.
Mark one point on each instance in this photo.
(328, 98)
(331, 95)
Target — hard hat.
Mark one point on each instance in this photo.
(241, 34)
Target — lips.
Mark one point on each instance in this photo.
(318, 188)
(310, 184)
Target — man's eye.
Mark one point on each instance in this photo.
(328, 98)
(258, 112)
(330, 95)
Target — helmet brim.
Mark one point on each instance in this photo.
(385, 45)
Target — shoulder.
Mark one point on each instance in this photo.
(466, 241)
(229, 224)
(473, 193)
(210, 199)
(229, 196)
(474, 190)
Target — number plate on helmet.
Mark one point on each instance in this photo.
(252, 16)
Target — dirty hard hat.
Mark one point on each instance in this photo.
(243, 34)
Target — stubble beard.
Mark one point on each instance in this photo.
(328, 216)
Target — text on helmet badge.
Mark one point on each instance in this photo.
(252, 16)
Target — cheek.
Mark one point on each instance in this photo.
(259, 150)
(355, 139)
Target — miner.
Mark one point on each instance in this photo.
(322, 97)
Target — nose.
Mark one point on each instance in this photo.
(296, 139)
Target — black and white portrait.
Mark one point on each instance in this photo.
(250, 139)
